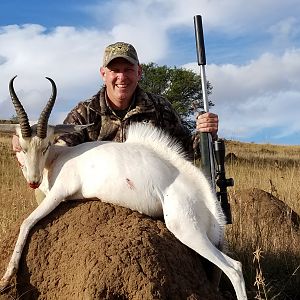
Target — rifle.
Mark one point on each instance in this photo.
(212, 154)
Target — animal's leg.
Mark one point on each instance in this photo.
(183, 221)
(48, 205)
(216, 276)
(215, 272)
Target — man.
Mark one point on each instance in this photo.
(121, 102)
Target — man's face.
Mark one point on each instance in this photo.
(121, 79)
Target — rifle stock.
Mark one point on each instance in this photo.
(221, 180)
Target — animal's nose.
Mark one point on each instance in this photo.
(34, 185)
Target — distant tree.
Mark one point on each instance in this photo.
(180, 86)
(14, 119)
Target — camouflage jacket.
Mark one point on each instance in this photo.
(110, 126)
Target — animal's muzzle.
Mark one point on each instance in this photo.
(34, 185)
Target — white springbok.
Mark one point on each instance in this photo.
(148, 173)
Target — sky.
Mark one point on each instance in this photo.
(252, 52)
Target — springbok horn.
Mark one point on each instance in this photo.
(21, 113)
(41, 130)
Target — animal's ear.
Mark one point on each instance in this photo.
(9, 128)
(68, 128)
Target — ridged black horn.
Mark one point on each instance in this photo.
(20, 111)
(41, 130)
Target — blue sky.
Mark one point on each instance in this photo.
(252, 49)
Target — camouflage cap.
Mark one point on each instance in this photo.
(120, 49)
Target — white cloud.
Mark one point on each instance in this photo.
(285, 31)
(262, 94)
(226, 15)
(68, 55)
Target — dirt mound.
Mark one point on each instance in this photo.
(92, 250)
(255, 203)
(262, 222)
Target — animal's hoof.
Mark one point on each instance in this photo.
(3, 284)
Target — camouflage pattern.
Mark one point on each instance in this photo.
(120, 49)
(110, 126)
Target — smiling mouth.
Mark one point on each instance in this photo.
(121, 86)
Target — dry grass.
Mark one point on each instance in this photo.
(272, 168)
(268, 248)
(16, 197)
(273, 273)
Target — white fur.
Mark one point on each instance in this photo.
(148, 173)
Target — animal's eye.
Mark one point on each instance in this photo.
(24, 151)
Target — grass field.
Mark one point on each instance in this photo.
(269, 250)
(275, 272)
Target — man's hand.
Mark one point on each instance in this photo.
(208, 122)
(15, 144)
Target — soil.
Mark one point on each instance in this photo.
(93, 250)
(271, 210)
